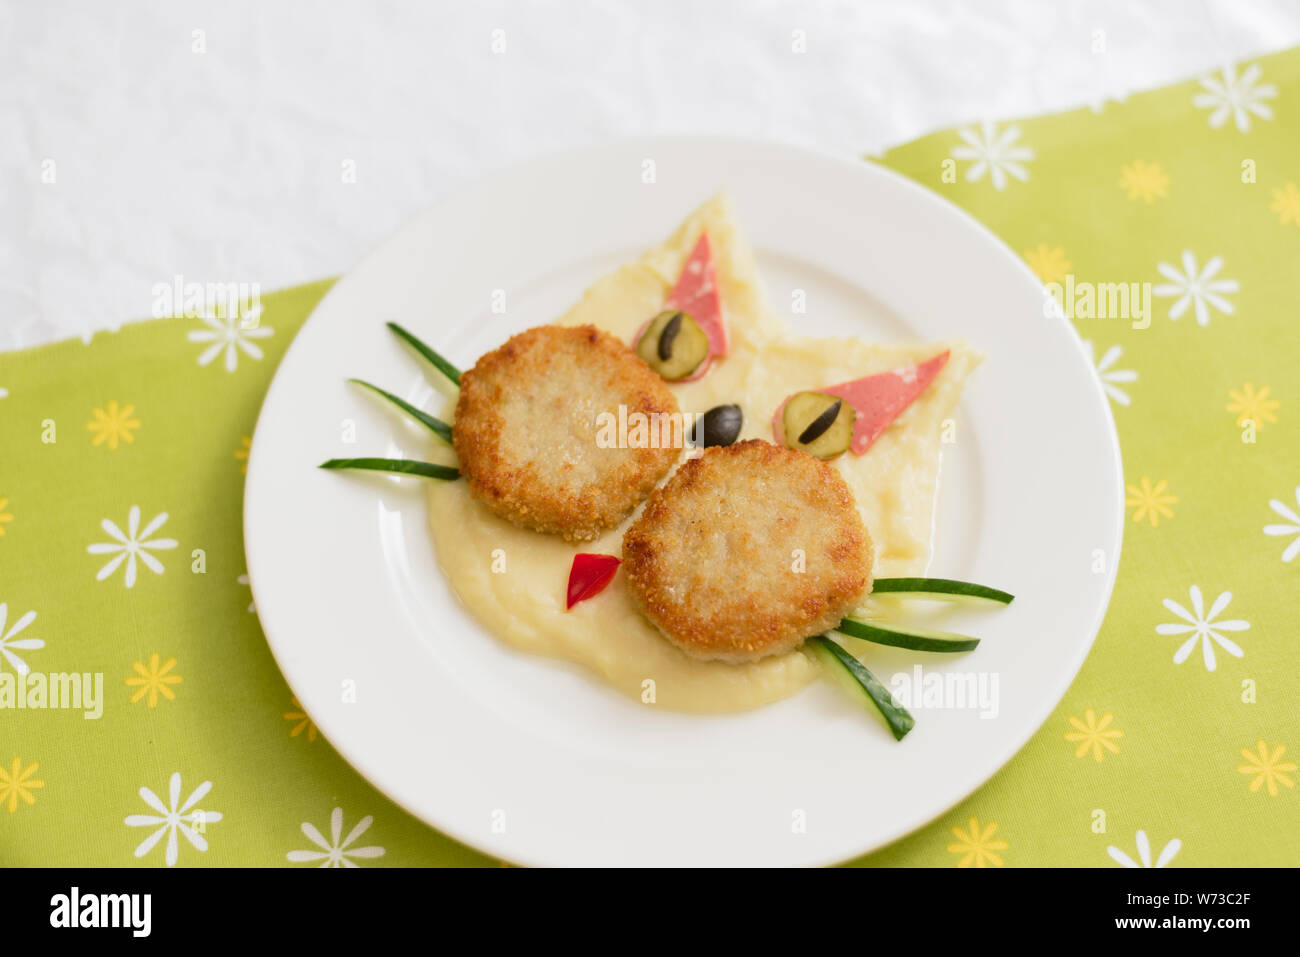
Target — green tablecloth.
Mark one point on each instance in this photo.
(121, 470)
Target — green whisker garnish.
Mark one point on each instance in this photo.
(914, 639)
(442, 365)
(940, 589)
(396, 466)
(435, 425)
(895, 715)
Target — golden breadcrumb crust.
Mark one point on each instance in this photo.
(748, 550)
(526, 430)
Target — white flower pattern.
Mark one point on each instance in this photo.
(1111, 377)
(1291, 527)
(1204, 628)
(993, 152)
(174, 817)
(1195, 286)
(243, 580)
(1230, 95)
(8, 646)
(1144, 853)
(335, 853)
(231, 334)
(132, 544)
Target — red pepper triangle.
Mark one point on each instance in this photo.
(697, 293)
(589, 575)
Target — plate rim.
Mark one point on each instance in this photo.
(860, 166)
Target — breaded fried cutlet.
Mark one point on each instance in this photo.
(748, 550)
(526, 430)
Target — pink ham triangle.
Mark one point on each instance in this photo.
(697, 293)
(878, 399)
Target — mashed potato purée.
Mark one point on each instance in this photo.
(894, 484)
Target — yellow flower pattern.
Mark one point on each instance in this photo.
(112, 424)
(1144, 181)
(1248, 403)
(1286, 203)
(1152, 501)
(154, 680)
(1094, 735)
(241, 453)
(5, 515)
(17, 782)
(303, 722)
(1048, 262)
(1268, 768)
(977, 846)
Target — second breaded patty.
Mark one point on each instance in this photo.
(526, 430)
(748, 550)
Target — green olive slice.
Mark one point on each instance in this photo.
(673, 344)
(819, 424)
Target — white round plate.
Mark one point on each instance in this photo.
(534, 760)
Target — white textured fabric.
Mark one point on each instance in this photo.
(213, 139)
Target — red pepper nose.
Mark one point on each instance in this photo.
(589, 576)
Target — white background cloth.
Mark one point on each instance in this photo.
(221, 155)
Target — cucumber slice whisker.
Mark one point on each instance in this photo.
(895, 715)
(396, 466)
(913, 639)
(435, 425)
(940, 589)
(441, 364)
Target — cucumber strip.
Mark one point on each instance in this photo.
(940, 589)
(442, 365)
(914, 639)
(435, 425)
(397, 466)
(895, 715)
